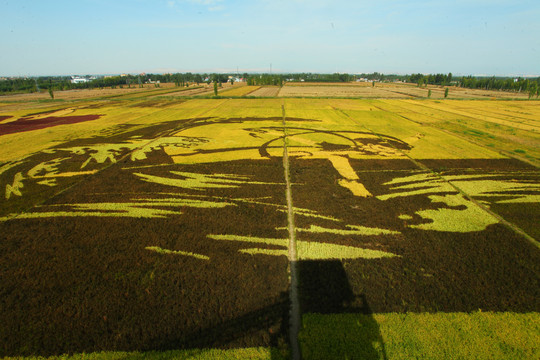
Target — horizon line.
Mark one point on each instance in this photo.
(260, 72)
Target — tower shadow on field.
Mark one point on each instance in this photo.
(268, 324)
(336, 323)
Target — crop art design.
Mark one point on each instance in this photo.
(169, 170)
(212, 141)
(454, 212)
(175, 234)
(168, 178)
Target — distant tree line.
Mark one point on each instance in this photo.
(342, 77)
(266, 79)
(517, 84)
(27, 85)
(57, 83)
(432, 79)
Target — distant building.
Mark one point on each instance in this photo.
(78, 80)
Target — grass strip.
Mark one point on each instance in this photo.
(478, 335)
(295, 319)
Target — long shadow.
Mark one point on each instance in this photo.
(265, 325)
(336, 323)
(334, 327)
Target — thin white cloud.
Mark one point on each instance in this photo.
(211, 5)
(205, 2)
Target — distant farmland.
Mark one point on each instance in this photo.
(153, 224)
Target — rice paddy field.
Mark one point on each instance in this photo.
(266, 91)
(369, 90)
(159, 225)
(239, 90)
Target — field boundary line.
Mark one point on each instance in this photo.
(294, 311)
(502, 152)
(252, 91)
(413, 96)
(501, 220)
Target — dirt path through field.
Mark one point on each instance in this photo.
(294, 326)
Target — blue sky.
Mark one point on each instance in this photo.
(57, 37)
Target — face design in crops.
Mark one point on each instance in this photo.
(308, 143)
(265, 139)
(182, 168)
(338, 147)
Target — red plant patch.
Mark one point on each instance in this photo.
(25, 124)
(4, 117)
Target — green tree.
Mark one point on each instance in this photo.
(51, 92)
(429, 93)
(446, 92)
(215, 88)
(533, 89)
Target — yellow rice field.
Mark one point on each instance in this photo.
(239, 90)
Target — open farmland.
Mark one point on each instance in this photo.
(87, 93)
(238, 90)
(138, 224)
(330, 90)
(266, 91)
(368, 90)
